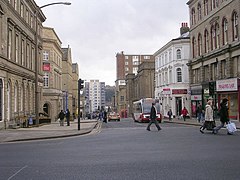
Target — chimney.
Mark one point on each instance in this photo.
(184, 28)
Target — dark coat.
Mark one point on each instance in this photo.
(223, 112)
(61, 115)
(68, 114)
(153, 113)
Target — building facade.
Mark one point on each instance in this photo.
(52, 73)
(214, 67)
(75, 73)
(171, 74)
(126, 64)
(20, 60)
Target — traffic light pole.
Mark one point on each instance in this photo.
(79, 88)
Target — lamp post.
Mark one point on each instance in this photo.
(37, 90)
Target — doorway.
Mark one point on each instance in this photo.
(178, 106)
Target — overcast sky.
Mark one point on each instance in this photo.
(96, 30)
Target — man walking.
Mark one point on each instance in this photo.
(153, 116)
(68, 117)
(224, 116)
(61, 117)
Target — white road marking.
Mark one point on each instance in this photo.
(17, 172)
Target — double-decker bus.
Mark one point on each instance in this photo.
(142, 109)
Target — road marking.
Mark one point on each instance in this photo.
(17, 172)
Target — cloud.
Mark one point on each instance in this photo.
(97, 29)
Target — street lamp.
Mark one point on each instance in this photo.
(37, 90)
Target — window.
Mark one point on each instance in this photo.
(28, 56)
(135, 69)
(224, 69)
(22, 52)
(22, 10)
(46, 80)
(126, 57)
(121, 98)
(206, 41)
(199, 45)
(15, 4)
(179, 55)
(21, 98)
(16, 48)
(45, 56)
(225, 31)
(205, 7)
(193, 16)
(146, 57)
(212, 4)
(126, 62)
(1, 100)
(193, 47)
(32, 59)
(218, 36)
(126, 69)
(199, 12)
(213, 38)
(179, 75)
(170, 76)
(9, 44)
(15, 98)
(235, 26)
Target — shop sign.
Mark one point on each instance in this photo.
(196, 97)
(179, 91)
(46, 67)
(227, 85)
(166, 91)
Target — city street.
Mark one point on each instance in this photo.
(125, 150)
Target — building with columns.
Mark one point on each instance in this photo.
(18, 63)
(214, 66)
(171, 74)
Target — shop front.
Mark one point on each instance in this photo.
(230, 89)
(196, 99)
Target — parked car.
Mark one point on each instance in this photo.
(113, 116)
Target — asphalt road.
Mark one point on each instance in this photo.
(126, 151)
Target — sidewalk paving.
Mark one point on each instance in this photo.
(47, 131)
(194, 121)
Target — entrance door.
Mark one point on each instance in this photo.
(178, 106)
(46, 108)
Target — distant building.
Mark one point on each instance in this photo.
(171, 73)
(75, 75)
(214, 67)
(95, 96)
(126, 64)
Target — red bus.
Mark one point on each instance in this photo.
(142, 109)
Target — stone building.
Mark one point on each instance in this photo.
(171, 74)
(141, 85)
(52, 73)
(126, 64)
(214, 67)
(19, 61)
(67, 79)
(75, 75)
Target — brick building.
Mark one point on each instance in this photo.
(214, 68)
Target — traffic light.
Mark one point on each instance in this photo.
(211, 88)
(80, 84)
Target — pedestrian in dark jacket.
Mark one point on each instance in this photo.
(68, 117)
(153, 116)
(224, 116)
(169, 114)
(61, 117)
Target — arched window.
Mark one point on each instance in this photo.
(206, 41)
(16, 98)
(22, 98)
(213, 38)
(1, 100)
(193, 16)
(179, 75)
(193, 47)
(212, 4)
(225, 31)
(235, 26)
(199, 11)
(217, 36)
(170, 76)
(199, 44)
(179, 54)
(205, 7)
(8, 100)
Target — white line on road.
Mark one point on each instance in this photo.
(17, 172)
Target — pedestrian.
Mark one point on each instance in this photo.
(199, 113)
(61, 117)
(153, 116)
(209, 121)
(105, 116)
(68, 117)
(169, 113)
(184, 113)
(224, 116)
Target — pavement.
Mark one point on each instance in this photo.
(54, 130)
(48, 131)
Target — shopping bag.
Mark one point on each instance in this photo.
(231, 127)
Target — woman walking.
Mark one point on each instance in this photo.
(209, 122)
